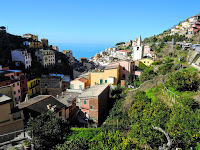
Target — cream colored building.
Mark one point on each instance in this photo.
(45, 57)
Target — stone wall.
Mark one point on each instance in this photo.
(143, 87)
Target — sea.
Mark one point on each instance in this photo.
(82, 50)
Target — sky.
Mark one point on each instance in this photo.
(94, 21)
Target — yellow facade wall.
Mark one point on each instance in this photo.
(35, 44)
(147, 61)
(96, 76)
(34, 87)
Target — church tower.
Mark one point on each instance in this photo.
(138, 50)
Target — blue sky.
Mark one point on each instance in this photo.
(93, 21)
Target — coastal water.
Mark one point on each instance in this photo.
(82, 50)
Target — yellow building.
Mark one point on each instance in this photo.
(34, 87)
(110, 75)
(36, 44)
(147, 61)
(66, 51)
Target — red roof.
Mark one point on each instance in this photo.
(81, 79)
(123, 51)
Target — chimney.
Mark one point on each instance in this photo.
(56, 96)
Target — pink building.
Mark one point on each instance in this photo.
(15, 78)
(125, 68)
(17, 91)
(146, 50)
(194, 27)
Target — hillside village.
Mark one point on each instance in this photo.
(106, 97)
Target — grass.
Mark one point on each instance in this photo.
(154, 93)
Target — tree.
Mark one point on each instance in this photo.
(120, 43)
(184, 81)
(145, 114)
(129, 79)
(147, 74)
(47, 130)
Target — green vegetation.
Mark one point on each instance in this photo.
(47, 130)
(184, 81)
(120, 43)
(147, 74)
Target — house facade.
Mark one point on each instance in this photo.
(147, 61)
(125, 68)
(11, 120)
(33, 86)
(31, 36)
(21, 56)
(110, 75)
(79, 84)
(45, 57)
(94, 103)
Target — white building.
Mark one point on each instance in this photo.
(138, 50)
(45, 57)
(21, 56)
(122, 53)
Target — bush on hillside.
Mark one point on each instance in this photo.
(147, 74)
(162, 70)
(184, 81)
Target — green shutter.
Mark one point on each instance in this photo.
(85, 102)
(105, 81)
(101, 81)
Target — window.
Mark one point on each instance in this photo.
(106, 81)
(72, 86)
(123, 68)
(23, 89)
(85, 102)
(19, 97)
(17, 84)
(144, 61)
(80, 87)
(22, 82)
(91, 107)
(18, 91)
(14, 92)
(60, 114)
(14, 85)
(124, 76)
(137, 48)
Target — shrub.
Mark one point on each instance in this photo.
(147, 74)
(165, 68)
(184, 81)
